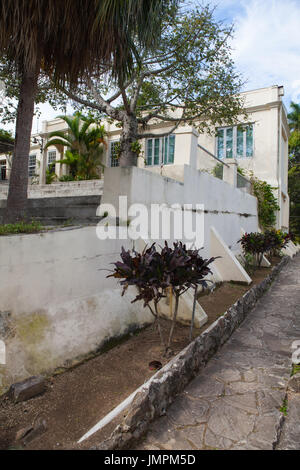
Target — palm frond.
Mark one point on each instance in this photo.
(71, 38)
(64, 141)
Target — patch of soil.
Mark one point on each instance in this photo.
(218, 302)
(77, 399)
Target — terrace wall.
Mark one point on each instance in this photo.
(56, 303)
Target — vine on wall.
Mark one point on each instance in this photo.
(267, 203)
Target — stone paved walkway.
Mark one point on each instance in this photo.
(235, 402)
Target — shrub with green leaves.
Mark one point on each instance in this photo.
(66, 178)
(276, 240)
(256, 244)
(271, 242)
(267, 203)
(154, 272)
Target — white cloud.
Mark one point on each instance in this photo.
(267, 44)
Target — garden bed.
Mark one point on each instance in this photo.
(76, 399)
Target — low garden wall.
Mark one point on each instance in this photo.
(57, 203)
(61, 210)
(61, 189)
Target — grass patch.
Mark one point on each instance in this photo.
(296, 369)
(20, 227)
(283, 409)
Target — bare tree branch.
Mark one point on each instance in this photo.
(107, 108)
(136, 93)
(118, 92)
(151, 135)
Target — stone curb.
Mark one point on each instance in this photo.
(153, 400)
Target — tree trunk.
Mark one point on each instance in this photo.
(129, 135)
(174, 320)
(18, 186)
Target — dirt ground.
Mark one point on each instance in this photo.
(77, 399)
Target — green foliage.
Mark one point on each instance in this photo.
(249, 262)
(50, 174)
(294, 117)
(241, 171)
(267, 203)
(191, 71)
(294, 148)
(294, 193)
(284, 408)
(255, 244)
(136, 147)
(5, 136)
(294, 171)
(84, 141)
(218, 171)
(276, 240)
(20, 227)
(74, 37)
(47, 93)
(66, 178)
(154, 273)
(296, 369)
(188, 77)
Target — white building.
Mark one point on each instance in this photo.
(258, 145)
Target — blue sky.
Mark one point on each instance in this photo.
(266, 44)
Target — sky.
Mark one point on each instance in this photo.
(266, 45)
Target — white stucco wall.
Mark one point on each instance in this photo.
(61, 303)
(55, 284)
(270, 158)
(226, 208)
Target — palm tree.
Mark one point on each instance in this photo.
(294, 139)
(67, 40)
(294, 117)
(84, 146)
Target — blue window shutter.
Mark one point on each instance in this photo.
(149, 151)
(221, 144)
(249, 141)
(171, 148)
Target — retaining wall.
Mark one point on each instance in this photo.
(56, 302)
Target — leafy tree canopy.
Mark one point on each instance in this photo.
(294, 140)
(294, 193)
(47, 93)
(190, 73)
(189, 78)
(294, 117)
(84, 142)
(5, 136)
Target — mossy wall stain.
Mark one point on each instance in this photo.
(31, 332)
(3, 387)
(31, 341)
(31, 329)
